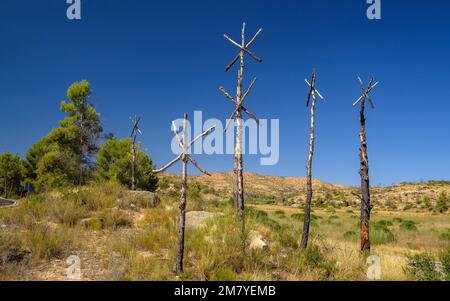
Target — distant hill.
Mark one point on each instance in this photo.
(260, 188)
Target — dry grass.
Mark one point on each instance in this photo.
(139, 244)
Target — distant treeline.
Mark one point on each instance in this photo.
(433, 182)
(71, 154)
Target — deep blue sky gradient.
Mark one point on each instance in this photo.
(160, 59)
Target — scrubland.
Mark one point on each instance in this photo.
(118, 237)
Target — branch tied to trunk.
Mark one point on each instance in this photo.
(184, 157)
(366, 206)
(238, 101)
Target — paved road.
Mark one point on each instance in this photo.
(4, 202)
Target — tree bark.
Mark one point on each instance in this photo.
(366, 206)
(238, 162)
(182, 217)
(309, 191)
(181, 222)
(133, 165)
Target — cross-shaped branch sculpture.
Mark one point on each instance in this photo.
(238, 101)
(366, 92)
(135, 120)
(366, 206)
(309, 192)
(184, 157)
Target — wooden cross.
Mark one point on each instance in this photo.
(366, 206)
(238, 101)
(135, 120)
(243, 47)
(309, 191)
(312, 89)
(184, 157)
(366, 92)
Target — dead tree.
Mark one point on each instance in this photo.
(309, 192)
(366, 206)
(184, 157)
(238, 185)
(133, 135)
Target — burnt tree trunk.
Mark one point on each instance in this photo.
(133, 165)
(366, 206)
(309, 191)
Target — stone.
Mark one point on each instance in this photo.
(257, 242)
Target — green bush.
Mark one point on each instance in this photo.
(262, 217)
(280, 214)
(380, 235)
(445, 235)
(442, 203)
(398, 220)
(425, 266)
(301, 217)
(222, 274)
(408, 225)
(385, 223)
(314, 259)
(408, 207)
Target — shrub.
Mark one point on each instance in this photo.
(66, 211)
(423, 267)
(408, 225)
(445, 235)
(385, 223)
(114, 219)
(381, 235)
(398, 220)
(444, 257)
(47, 242)
(408, 207)
(280, 214)
(223, 274)
(427, 203)
(301, 217)
(442, 203)
(314, 259)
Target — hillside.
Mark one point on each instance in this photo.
(292, 191)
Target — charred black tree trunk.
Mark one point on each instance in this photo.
(133, 165)
(366, 206)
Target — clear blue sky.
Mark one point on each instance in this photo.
(161, 59)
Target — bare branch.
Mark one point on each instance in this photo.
(250, 115)
(163, 169)
(254, 38)
(227, 95)
(207, 132)
(370, 101)
(258, 59)
(231, 119)
(233, 41)
(233, 62)
(198, 166)
(174, 130)
(248, 90)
